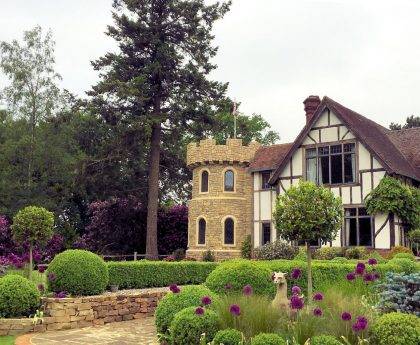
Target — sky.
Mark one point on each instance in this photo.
(273, 53)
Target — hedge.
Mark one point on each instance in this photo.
(144, 274)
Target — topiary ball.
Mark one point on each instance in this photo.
(407, 266)
(324, 340)
(228, 336)
(78, 272)
(268, 339)
(409, 256)
(18, 296)
(396, 329)
(172, 303)
(187, 326)
(232, 276)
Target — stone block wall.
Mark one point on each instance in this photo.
(72, 313)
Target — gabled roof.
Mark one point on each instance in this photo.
(380, 141)
(268, 157)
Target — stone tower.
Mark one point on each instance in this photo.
(221, 209)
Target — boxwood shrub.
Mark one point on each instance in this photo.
(409, 256)
(78, 272)
(228, 336)
(325, 340)
(143, 273)
(18, 296)
(172, 303)
(236, 274)
(407, 265)
(268, 339)
(396, 329)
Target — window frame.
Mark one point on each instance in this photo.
(317, 156)
(224, 179)
(262, 231)
(266, 186)
(224, 231)
(357, 217)
(198, 231)
(200, 184)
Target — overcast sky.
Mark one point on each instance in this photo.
(273, 53)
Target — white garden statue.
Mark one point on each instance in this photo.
(281, 300)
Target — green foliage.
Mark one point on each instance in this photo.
(33, 225)
(246, 248)
(172, 303)
(308, 212)
(302, 255)
(407, 265)
(228, 336)
(257, 314)
(187, 327)
(375, 255)
(7, 340)
(356, 253)
(339, 259)
(409, 256)
(18, 296)
(396, 329)
(392, 196)
(414, 236)
(328, 253)
(208, 256)
(143, 274)
(325, 340)
(410, 122)
(276, 250)
(268, 339)
(78, 272)
(238, 273)
(399, 249)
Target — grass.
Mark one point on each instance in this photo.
(7, 340)
(37, 278)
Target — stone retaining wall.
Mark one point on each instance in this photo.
(72, 313)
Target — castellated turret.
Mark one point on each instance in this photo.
(221, 207)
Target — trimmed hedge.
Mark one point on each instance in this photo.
(228, 336)
(144, 274)
(18, 296)
(78, 272)
(268, 339)
(325, 340)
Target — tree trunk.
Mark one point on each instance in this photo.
(308, 251)
(30, 262)
(153, 193)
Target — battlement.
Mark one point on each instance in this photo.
(207, 152)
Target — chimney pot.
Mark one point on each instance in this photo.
(311, 104)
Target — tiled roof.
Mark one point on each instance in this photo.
(268, 157)
(408, 142)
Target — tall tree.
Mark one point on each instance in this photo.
(157, 81)
(410, 122)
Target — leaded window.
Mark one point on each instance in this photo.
(229, 181)
(358, 227)
(204, 188)
(202, 231)
(229, 231)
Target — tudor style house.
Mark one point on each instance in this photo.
(235, 186)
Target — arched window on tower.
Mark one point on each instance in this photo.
(204, 188)
(202, 231)
(229, 181)
(229, 231)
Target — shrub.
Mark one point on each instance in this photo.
(18, 296)
(396, 329)
(187, 327)
(398, 249)
(398, 293)
(238, 273)
(78, 272)
(172, 303)
(246, 248)
(276, 250)
(328, 253)
(356, 253)
(339, 259)
(301, 255)
(375, 255)
(179, 254)
(208, 256)
(325, 340)
(407, 265)
(268, 339)
(228, 336)
(143, 274)
(409, 256)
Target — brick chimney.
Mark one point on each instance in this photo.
(311, 104)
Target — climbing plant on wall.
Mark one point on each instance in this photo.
(392, 196)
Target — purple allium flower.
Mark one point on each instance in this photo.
(296, 302)
(247, 290)
(318, 297)
(61, 294)
(350, 276)
(346, 316)
(376, 275)
(372, 261)
(368, 277)
(41, 269)
(199, 311)
(206, 300)
(360, 268)
(318, 312)
(228, 286)
(235, 310)
(174, 288)
(296, 273)
(37, 257)
(41, 287)
(360, 324)
(296, 290)
(51, 276)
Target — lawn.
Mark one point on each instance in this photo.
(7, 340)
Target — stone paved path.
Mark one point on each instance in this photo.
(136, 332)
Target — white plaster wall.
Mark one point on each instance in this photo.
(366, 180)
(377, 177)
(376, 164)
(356, 195)
(382, 240)
(337, 242)
(334, 120)
(256, 235)
(297, 162)
(364, 157)
(257, 179)
(256, 206)
(329, 134)
(286, 170)
(345, 195)
(323, 120)
(265, 205)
